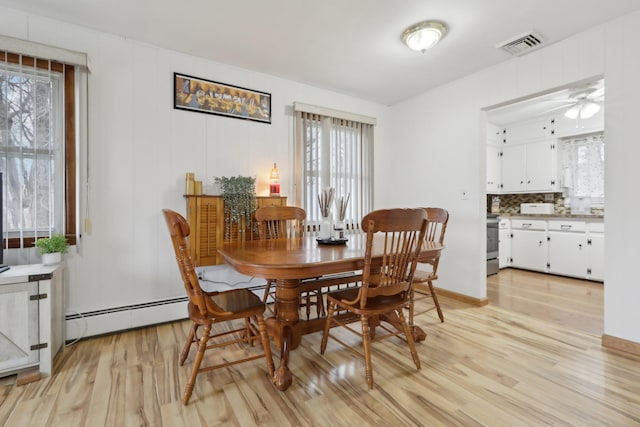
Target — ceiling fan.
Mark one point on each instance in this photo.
(578, 102)
(585, 103)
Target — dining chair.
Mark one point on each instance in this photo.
(437, 219)
(386, 283)
(278, 222)
(208, 308)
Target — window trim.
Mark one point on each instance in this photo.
(69, 73)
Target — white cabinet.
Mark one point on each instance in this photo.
(514, 162)
(564, 246)
(530, 167)
(529, 244)
(567, 248)
(493, 169)
(504, 243)
(541, 128)
(495, 134)
(595, 245)
(32, 328)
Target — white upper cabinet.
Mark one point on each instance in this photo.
(494, 174)
(495, 134)
(529, 131)
(531, 167)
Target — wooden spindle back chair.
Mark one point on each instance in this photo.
(282, 222)
(438, 219)
(208, 308)
(386, 282)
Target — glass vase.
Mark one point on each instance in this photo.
(325, 227)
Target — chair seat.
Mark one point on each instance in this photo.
(374, 305)
(424, 276)
(238, 303)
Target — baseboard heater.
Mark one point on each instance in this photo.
(99, 322)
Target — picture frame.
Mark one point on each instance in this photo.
(222, 99)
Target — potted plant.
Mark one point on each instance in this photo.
(51, 248)
(239, 196)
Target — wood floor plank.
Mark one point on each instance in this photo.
(532, 357)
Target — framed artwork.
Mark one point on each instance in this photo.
(206, 96)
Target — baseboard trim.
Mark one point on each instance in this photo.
(478, 302)
(620, 344)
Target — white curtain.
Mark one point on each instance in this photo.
(583, 168)
(333, 152)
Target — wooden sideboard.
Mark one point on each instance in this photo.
(205, 215)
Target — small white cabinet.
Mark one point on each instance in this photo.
(540, 128)
(32, 329)
(493, 169)
(567, 248)
(504, 243)
(529, 244)
(595, 245)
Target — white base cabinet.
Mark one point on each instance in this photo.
(32, 329)
(595, 244)
(565, 247)
(529, 244)
(504, 243)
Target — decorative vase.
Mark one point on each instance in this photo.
(325, 227)
(51, 258)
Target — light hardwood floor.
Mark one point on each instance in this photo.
(520, 361)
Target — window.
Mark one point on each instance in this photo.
(37, 148)
(334, 152)
(583, 169)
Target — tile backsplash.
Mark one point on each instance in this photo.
(510, 203)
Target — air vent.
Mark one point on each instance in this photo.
(524, 43)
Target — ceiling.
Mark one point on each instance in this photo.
(348, 46)
(552, 102)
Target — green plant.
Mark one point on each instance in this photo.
(239, 196)
(55, 243)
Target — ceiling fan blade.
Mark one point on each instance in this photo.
(558, 108)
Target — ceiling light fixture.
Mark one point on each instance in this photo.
(424, 35)
(583, 109)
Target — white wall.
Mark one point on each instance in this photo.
(139, 149)
(440, 136)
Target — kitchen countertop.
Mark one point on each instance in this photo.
(550, 216)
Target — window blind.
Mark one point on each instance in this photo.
(31, 146)
(334, 152)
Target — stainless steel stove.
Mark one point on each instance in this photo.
(492, 244)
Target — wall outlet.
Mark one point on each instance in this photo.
(548, 197)
(200, 275)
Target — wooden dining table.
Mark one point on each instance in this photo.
(299, 265)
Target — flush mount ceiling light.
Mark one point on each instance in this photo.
(424, 35)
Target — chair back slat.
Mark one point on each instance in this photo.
(400, 233)
(437, 220)
(179, 231)
(278, 222)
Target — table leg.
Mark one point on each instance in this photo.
(287, 298)
(416, 332)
